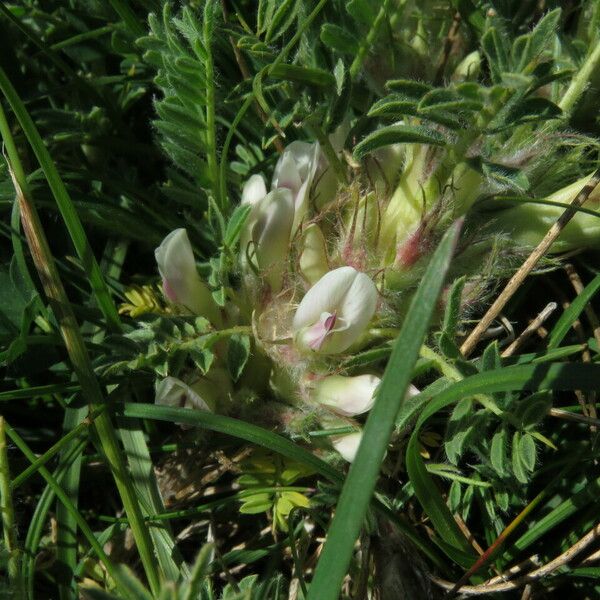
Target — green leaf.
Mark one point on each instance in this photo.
(453, 307)
(496, 51)
(235, 225)
(361, 10)
(64, 203)
(304, 75)
(524, 110)
(339, 72)
(282, 20)
(541, 37)
(491, 358)
(234, 427)
(473, 14)
(527, 451)
(409, 88)
(507, 177)
(360, 483)
(498, 456)
(454, 496)
(446, 99)
(394, 106)
(533, 409)
(129, 582)
(398, 134)
(518, 466)
(554, 376)
(199, 572)
(337, 38)
(238, 352)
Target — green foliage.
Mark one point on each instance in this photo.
(151, 116)
(263, 471)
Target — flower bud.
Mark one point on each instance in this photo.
(468, 68)
(313, 258)
(335, 312)
(181, 283)
(346, 396)
(347, 445)
(254, 190)
(295, 170)
(270, 233)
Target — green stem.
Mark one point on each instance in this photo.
(368, 42)
(82, 37)
(211, 124)
(225, 151)
(580, 81)
(77, 351)
(8, 517)
(330, 153)
(452, 373)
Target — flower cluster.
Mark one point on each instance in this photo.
(325, 266)
(310, 308)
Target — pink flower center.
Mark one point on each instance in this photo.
(317, 334)
(169, 291)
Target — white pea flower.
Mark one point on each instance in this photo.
(313, 257)
(270, 232)
(335, 312)
(174, 392)
(347, 396)
(181, 283)
(295, 170)
(300, 166)
(347, 445)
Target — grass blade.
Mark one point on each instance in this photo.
(63, 200)
(142, 472)
(66, 535)
(8, 519)
(362, 477)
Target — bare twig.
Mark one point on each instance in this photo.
(593, 319)
(571, 416)
(519, 277)
(589, 309)
(451, 38)
(494, 588)
(530, 329)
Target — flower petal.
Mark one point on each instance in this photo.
(271, 235)
(254, 190)
(181, 282)
(356, 310)
(347, 445)
(313, 259)
(347, 396)
(325, 296)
